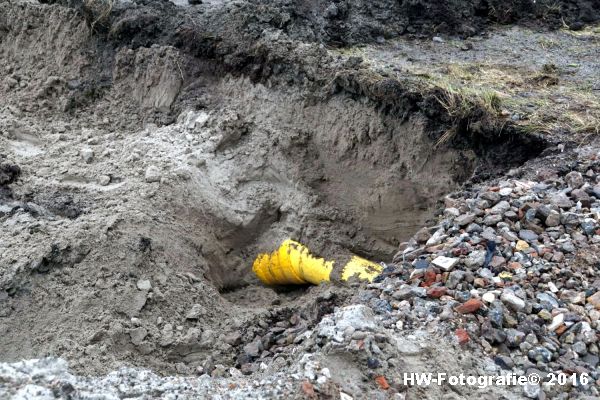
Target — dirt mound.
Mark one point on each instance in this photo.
(336, 23)
(348, 22)
(159, 155)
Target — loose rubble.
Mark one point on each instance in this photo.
(526, 288)
(509, 293)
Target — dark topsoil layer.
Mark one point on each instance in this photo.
(347, 22)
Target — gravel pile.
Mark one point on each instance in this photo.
(512, 267)
(50, 378)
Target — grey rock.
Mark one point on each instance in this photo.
(580, 348)
(195, 312)
(358, 316)
(166, 337)
(464, 219)
(421, 263)
(514, 337)
(493, 335)
(408, 347)
(569, 219)
(510, 236)
(553, 219)
(496, 262)
(512, 301)
(558, 256)
(423, 235)
(531, 391)
(528, 235)
(578, 237)
(500, 208)
(454, 278)
(561, 200)
(489, 234)
(589, 226)
(568, 247)
(144, 284)
(132, 305)
(574, 179)
(359, 335)
(573, 296)
(254, 348)
(531, 339)
(473, 228)
(496, 314)
(452, 212)
(530, 215)
(233, 338)
(87, 155)
(581, 196)
(543, 211)
(556, 322)
(436, 238)
(447, 313)
(461, 296)
(488, 297)
(475, 259)
(540, 354)
(486, 273)
(403, 293)
(492, 197)
(547, 299)
(103, 180)
(11, 82)
(152, 174)
(504, 362)
(591, 359)
(138, 335)
(492, 220)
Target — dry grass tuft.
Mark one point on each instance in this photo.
(97, 11)
(561, 99)
(538, 101)
(463, 104)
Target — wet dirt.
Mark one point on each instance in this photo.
(158, 156)
(350, 22)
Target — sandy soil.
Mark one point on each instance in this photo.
(148, 155)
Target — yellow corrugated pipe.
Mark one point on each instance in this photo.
(292, 264)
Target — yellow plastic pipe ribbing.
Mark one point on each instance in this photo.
(293, 264)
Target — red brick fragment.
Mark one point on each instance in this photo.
(469, 307)
(308, 389)
(382, 382)
(462, 336)
(436, 292)
(428, 279)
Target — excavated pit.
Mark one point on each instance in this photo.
(143, 199)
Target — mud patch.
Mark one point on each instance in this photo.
(9, 173)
